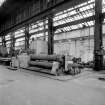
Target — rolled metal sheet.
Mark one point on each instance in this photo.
(46, 65)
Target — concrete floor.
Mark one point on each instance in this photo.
(21, 88)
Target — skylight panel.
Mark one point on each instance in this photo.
(63, 16)
(0, 40)
(59, 22)
(74, 27)
(7, 37)
(80, 25)
(68, 20)
(73, 12)
(81, 9)
(34, 30)
(41, 28)
(20, 39)
(80, 5)
(21, 42)
(55, 23)
(84, 8)
(88, 7)
(77, 17)
(84, 15)
(65, 11)
(68, 28)
(64, 29)
(86, 24)
(89, 13)
(19, 32)
(62, 21)
(39, 35)
(91, 5)
(1, 2)
(71, 19)
(69, 14)
(8, 42)
(33, 36)
(40, 24)
(18, 35)
(103, 1)
(92, 22)
(90, 1)
(34, 26)
(59, 17)
(58, 30)
(58, 13)
(55, 18)
(89, 23)
(80, 16)
(70, 9)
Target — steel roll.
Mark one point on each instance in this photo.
(57, 58)
(46, 65)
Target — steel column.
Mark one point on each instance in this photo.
(12, 47)
(50, 35)
(27, 37)
(98, 56)
(44, 25)
(3, 41)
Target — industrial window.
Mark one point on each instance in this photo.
(19, 43)
(8, 44)
(19, 33)
(77, 12)
(65, 17)
(8, 37)
(38, 29)
(2, 1)
(0, 40)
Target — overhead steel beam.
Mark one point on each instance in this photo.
(75, 22)
(59, 7)
(68, 24)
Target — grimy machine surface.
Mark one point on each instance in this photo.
(46, 62)
(4, 56)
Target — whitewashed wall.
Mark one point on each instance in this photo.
(77, 47)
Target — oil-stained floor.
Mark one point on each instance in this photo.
(30, 88)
